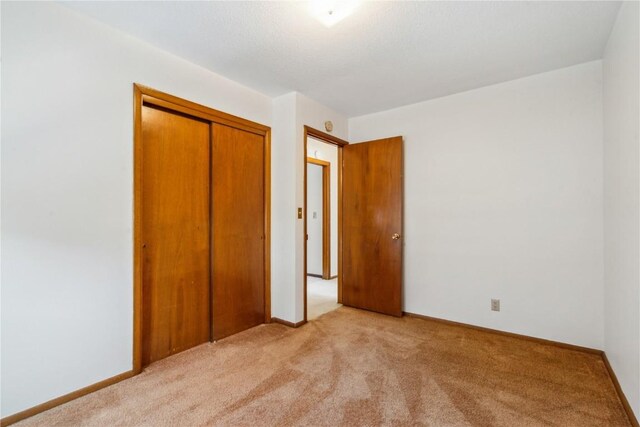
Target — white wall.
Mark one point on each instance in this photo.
(67, 186)
(283, 208)
(503, 199)
(622, 201)
(314, 220)
(329, 153)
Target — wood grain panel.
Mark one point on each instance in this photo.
(153, 96)
(175, 233)
(371, 215)
(238, 230)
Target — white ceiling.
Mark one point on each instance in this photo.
(385, 55)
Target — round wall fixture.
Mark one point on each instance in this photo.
(328, 125)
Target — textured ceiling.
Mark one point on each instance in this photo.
(385, 55)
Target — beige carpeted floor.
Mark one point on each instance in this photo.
(351, 367)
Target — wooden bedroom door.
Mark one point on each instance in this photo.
(175, 233)
(372, 225)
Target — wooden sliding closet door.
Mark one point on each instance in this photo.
(175, 233)
(237, 230)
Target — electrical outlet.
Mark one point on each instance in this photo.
(495, 305)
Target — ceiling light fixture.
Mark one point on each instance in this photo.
(330, 12)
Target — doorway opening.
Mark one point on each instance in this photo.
(322, 282)
(319, 225)
(323, 200)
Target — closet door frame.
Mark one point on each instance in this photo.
(143, 95)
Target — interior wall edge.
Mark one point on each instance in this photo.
(621, 106)
(623, 398)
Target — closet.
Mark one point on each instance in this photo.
(201, 225)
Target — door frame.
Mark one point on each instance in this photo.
(339, 143)
(143, 95)
(326, 216)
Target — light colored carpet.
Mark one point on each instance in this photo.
(355, 368)
(322, 296)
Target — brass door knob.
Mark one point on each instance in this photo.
(395, 236)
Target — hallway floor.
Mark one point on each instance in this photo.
(322, 296)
